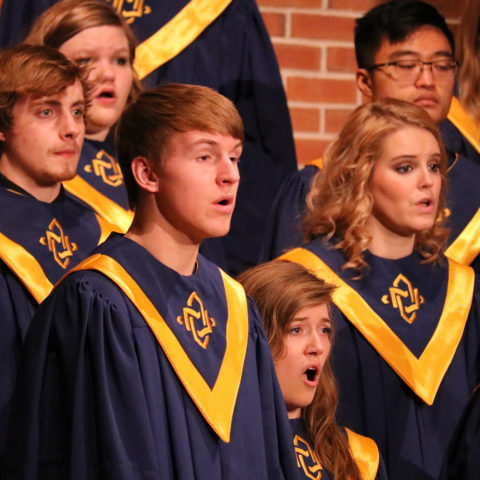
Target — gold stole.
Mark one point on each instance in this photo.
(177, 34)
(216, 405)
(104, 206)
(26, 267)
(425, 374)
(466, 247)
(366, 454)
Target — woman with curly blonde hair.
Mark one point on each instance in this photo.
(295, 307)
(407, 345)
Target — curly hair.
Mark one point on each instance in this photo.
(468, 51)
(340, 201)
(280, 290)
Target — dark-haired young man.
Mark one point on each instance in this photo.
(149, 362)
(404, 50)
(44, 231)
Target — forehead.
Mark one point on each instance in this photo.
(410, 140)
(425, 42)
(196, 139)
(71, 95)
(97, 38)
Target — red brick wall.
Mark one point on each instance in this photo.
(313, 40)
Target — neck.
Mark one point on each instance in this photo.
(167, 245)
(42, 193)
(387, 244)
(99, 136)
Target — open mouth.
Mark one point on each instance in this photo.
(106, 95)
(311, 373)
(223, 202)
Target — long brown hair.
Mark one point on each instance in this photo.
(340, 202)
(65, 19)
(280, 290)
(468, 52)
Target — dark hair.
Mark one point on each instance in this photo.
(34, 70)
(145, 127)
(395, 21)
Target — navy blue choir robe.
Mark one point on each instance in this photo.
(39, 243)
(222, 44)
(463, 459)
(406, 352)
(364, 451)
(186, 389)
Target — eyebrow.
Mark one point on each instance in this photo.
(213, 143)
(438, 53)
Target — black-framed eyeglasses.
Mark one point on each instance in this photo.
(411, 69)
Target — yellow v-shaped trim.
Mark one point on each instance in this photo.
(425, 374)
(317, 162)
(466, 247)
(104, 206)
(366, 454)
(465, 123)
(177, 34)
(26, 268)
(217, 405)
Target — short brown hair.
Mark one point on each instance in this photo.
(145, 127)
(65, 19)
(34, 70)
(340, 202)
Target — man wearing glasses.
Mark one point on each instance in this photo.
(404, 50)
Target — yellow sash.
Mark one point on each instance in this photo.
(26, 267)
(104, 206)
(177, 34)
(366, 454)
(425, 374)
(465, 123)
(216, 405)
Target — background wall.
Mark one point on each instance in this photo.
(313, 40)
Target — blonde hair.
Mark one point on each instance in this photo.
(340, 202)
(468, 53)
(280, 290)
(65, 19)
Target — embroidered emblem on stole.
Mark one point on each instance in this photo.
(191, 315)
(403, 291)
(105, 166)
(306, 459)
(58, 243)
(131, 9)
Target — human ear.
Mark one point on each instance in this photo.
(2, 137)
(144, 174)
(364, 82)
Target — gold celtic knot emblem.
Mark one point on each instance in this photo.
(200, 314)
(401, 291)
(131, 9)
(105, 166)
(58, 243)
(306, 459)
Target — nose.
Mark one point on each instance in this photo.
(315, 344)
(70, 126)
(425, 78)
(103, 71)
(228, 171)
(426, 178)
